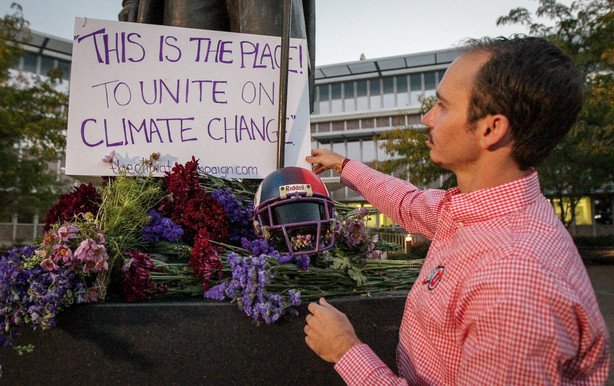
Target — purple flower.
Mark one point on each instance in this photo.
(303, 262)
(283, 259)
(295, 297)
(248, 289)
(217, 292)
(161, 227)
(32, 297)
(239, 214)
(352, 232)
(258, 246)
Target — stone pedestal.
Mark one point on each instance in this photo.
(190, 342)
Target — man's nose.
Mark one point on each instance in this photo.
(427, 119)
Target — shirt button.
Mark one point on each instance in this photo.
(460, 224)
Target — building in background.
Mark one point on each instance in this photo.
(356, 101)
(43, 53)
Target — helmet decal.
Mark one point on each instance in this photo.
(295, 188)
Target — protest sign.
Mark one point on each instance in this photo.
(139, 89)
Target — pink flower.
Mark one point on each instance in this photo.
(93, 294)
(153, 158)
(109, 158)
(374, 255)
(49, 265)
(62, 253)
(82, 252)
(66, 233)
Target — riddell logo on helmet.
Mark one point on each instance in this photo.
(295, 188)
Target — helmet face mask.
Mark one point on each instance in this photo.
(294, 211)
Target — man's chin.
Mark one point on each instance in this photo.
(437, 163)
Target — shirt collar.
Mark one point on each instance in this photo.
(493, 202)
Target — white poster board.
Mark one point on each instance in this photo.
(139, 89)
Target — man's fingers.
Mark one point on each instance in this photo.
(313, 307)
(324, 303)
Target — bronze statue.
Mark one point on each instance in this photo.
(261, 17)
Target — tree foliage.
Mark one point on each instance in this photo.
(583, 163)
(409, 154)
(32, 126)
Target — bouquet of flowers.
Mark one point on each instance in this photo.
(187, 234)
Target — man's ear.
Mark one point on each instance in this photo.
(494, 132)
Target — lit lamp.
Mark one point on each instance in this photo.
(408, 240)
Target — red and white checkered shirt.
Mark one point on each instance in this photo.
(503, 296)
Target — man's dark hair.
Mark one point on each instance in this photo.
(534, 84)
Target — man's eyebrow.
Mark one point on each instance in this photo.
(438, 95)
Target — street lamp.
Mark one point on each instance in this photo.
(408, 240)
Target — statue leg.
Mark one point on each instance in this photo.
(202, 14)
(263, 17)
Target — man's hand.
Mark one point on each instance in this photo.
(323, 159)
(329, 333)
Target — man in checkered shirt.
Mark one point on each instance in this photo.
(503, 296)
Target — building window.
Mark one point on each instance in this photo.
(388, 85)
(415, 81)
(65, 67)
(383, 122)
(336, 91)
(30, 62)
(429, 80)
(369, 152)
(323, 127)
(352, 124)
(353, 150)
(367, 123)
(361, 88)
(414, 119)
(323, 91)
(348, 90)
(401, 83)
(47, 64)
(374, 87)
(398, 120)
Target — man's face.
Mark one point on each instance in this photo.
(453, 142)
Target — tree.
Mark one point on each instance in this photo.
(32, 126)
(410, 159)
(583, 163)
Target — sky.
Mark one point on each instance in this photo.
(345, 29)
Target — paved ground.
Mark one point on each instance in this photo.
(602, 277)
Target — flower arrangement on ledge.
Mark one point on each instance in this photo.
(187, 234)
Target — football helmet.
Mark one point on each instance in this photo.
(293, 210)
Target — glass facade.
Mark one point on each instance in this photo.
(42, 64)
(388, 92)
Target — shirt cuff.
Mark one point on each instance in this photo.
(360, 364)
(350, 169)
